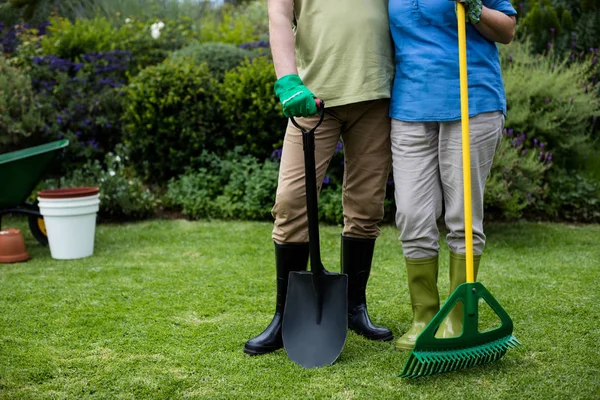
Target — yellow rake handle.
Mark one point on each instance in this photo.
(466, 150)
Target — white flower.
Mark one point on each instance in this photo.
(127, 20)
(155, 33)
(118, 159)
(111, 172)
(161, 24)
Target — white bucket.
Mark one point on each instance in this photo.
(71, 225)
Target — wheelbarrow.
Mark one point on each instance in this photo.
(20, 173)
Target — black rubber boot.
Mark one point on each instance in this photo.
(357, 256)
(288, 257)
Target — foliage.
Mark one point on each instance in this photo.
(20, 114)
(251, 112)
(563, 25)
(81, 102)
(232, 26)
(122, 194)
(220, 57)
(170, 118)
(516, 179)
(330, 205)
(88, 9)
(72, 40)
(234, 187)
(574, 197)
(553, 102)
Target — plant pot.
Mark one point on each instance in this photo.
(70, 218)
(12, 246)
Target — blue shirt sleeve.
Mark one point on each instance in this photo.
(500, 5)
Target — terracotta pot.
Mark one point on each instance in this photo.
(12, 246)
(68, 193)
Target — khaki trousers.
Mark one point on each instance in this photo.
(365, 131)
(427, 167)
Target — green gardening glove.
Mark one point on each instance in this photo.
(472, 10)
(296, 99)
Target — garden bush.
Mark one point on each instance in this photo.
(516, 179)
(250, 109)
(233, 25)
(232, 187)
(170, 118)
(122, 194)
(81, 102)
(562, 25)
(219, 57)
(553, 102)
(574, 197)
(21, 118)
(72, 40)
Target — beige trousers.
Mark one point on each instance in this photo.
(427, 167)
(365, 131)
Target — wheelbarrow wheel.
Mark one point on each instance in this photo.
(38, 229)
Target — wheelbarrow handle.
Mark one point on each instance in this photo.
(308, 142)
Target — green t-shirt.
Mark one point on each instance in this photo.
(344, 50)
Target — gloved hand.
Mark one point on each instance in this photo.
(472, 10)
(296, 99)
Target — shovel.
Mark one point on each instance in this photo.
(315, 320)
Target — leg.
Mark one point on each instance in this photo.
(485, 136)
(289, 211)
(290, 232)
(419, 204)
(288, 258)
(367, 157)
(486, 131)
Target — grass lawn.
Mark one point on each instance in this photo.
(163, 308)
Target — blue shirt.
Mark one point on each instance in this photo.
(427, 83)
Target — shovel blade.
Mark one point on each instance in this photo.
(307, 342)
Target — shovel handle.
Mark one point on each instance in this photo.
(466, 148)
(310, 173)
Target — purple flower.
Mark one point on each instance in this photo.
(547, 100)
(276, 155)
(326, 180)
(552, 30)
(339, 146)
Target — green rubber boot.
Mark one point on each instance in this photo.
(452, 325)
(422, 285)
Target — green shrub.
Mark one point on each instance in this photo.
(562, 25)
(169, 118)
(72, 40)
(516, 179)
(553, 102)
(122, 195)
(251, 112)
(233, 187)
(574, 197)
(20, 114)
(220, 57)
(330, 205)
(228, 26)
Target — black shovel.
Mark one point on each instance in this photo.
(315, 320)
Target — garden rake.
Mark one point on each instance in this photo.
(433, 355)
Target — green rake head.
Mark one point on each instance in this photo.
(433, 355)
